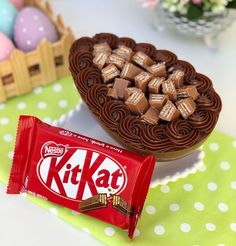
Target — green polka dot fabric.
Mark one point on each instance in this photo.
(197, 210)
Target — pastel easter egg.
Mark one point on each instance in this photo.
(6, 47)
(32, 26)
(8, 14)
(18, 3)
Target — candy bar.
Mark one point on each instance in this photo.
(129, 71)
(158, 70)
(169, 112)
(137, 103)
(122, 205)
(186, 107)
(101, 48)
(168, 88)
(80, 173)
(142, 59)
(151, 116)
(154, 85)
(141, 80)
(120, 85)
(188, 91)
(178, 77)
(110, 72)
(129, 91)
(100, 59)
(112, 93)
(157, 100)
(116, 60)
(95, 202)
(124, 52)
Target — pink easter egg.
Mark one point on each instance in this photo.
(6, 47)
(18, 3)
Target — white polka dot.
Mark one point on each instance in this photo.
(4, 11)
(185, 227)
(63, 103)
(136, 232)
(28, 42)
(10, 155)
(224, 165)
(199, 206)
(234, 143)
(36, 17)
(57, 87)
(8, 137)
(223, 207)
(150, 209)
(53, 211)
(24, 30)
(210, 226)
(202, 167)
(41, 28)
(47, 120)
(165, 188)
(21, 105)
(233, 185)
(220, 244)
(188, 187)
(4, 121)
(42, 105)
(2, 106)
(75, 212)
(159, 230)
(86, 230)
(21, 20)
(212, 186)
(38, 90)
(214, 147)
(174, 207)
(233, 227)
(109, 231)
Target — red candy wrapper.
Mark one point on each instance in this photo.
(80, 173)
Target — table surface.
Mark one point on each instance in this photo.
(125, 18)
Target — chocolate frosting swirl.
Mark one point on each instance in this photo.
(130, 130)
(84, 43)
(113, 113)
(203, 120)
(79, 61)
(154, 138)
(129, 42)
(110, 38)
(182, 134)
(209, 100)
(96, 98)
(148, 49)
(87, 78)
(165, 56)
(187, 68)
(202, 82)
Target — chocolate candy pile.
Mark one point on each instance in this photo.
(146, 98)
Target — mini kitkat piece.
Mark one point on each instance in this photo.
(116, 60)
(112, 93)
(120, 85)
(168, 88)
(142, 59)
(188, 91)
(137, 103)
(129, 91)
(158, 70)
(157, 100)
(94, 202)
(110, 72)
(100, 59)
(129, 71)
(101, 48)
(154, 85)
(178, 77)
(142, 79)
(122, 205)
(151, 116)
(169, 112)
(186, 107)
(124, 52)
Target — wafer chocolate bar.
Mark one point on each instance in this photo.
(94, 202)
(122, 205)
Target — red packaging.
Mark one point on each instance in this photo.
(80, 173)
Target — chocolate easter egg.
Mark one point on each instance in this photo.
(6, 47)
(32, 26)
(18, 3)
(8, 14)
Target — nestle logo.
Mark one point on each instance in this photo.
(51, 149)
